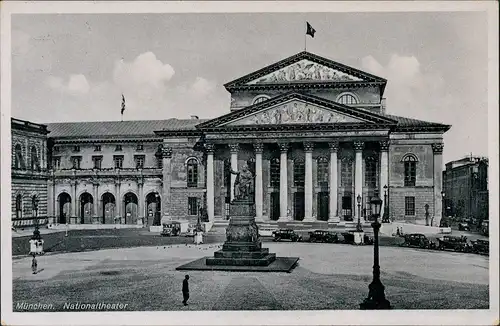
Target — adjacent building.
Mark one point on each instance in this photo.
(465, 183)
(314, 132)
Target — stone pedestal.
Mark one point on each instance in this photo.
(243, 246)
(359, 237)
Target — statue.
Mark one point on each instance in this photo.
(243, 185)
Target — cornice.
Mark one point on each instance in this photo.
(305, 85)
(93, 140)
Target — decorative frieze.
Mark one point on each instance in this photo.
(359, 145)
(437, 148)
(384, 145)
(334, 146)
(258, 147)
(308, 146)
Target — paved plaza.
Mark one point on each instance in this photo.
(328, 276)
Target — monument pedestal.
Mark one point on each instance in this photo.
(243, 246)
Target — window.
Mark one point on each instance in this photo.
(139, 161)
(19, 206)
(56, 163)
(97, 162)
(322, 172)
(118, 159)
(260, 98)
(97, 148)
(299, 171)
(76, 161)
(56, 149)
(18, 159)
(140, 147)
(118, 148)
(192, 205)
(275, 172)
(410, 163)
(371, 172)
(35, 164)
(76, 148)
(192, 172)
(347, 99)
(410, 206)
(346, 173)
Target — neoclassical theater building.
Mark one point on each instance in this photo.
(315, 134)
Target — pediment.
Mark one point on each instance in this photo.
(294, 112)
(305, 70)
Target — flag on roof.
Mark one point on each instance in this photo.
(310, 30)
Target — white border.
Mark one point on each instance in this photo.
(396, 317)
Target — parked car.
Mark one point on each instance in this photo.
(454, 243)
(171, 229)
(349, 238)
(323, 236)
(286, 234)
(266, 231)
(481, 246)
(417, 240)
(463, 226)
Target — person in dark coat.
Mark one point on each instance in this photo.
(185, 290)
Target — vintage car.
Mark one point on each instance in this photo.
(454, 243)
(286, 234)
(171, 229)
(266, 231)
(323, 236)
(349, 238)
(417, 240)
(463, 226)
(481, 246)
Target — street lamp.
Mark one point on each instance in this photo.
(36, 233)
(385, 218)
(443, 195)
(358, 226)
(376, 296)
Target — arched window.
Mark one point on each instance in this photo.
(192, 172)
(410, 163)
(346, 172)
(275, 172)
(322, 172)
(259, 99)
(19, 206)
(347, 99)
(299, 171)
(371, 172)
(35, 164)
(18, 157)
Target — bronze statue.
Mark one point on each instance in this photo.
(243, 185)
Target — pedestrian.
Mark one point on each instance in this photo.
(34, 265)
(185, 290)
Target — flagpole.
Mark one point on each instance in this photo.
(305, 39)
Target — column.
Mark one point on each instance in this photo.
(140, 185)
(259, 192)
(50, 200)
(437, 149)
(233, 148)
(95, 186)
(384, 174)
(167, 180)
(333, 186)
(119, 202)
(75, 202)
(358, 176)
(283, 181)
(308, 184)
(210, 148)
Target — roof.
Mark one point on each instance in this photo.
(404, 122)
(119, 128)
(25, 125)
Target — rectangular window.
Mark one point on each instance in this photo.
(139, 161)
(371, 173)
(118, 148)
(140, 147)
(323, 172)
(410, 174)
(192, 205)
(410, 206)
(97, 148)
(57, 163)
(299, 171)
(76, 148)
(346, 173)
(275, 172)
(76, 162)
(118, 159)
(97, 162)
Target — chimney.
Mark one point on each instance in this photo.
(194, 117)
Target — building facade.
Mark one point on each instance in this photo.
(314, 132)
(465, 183)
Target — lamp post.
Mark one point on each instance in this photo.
(358, 226)
(443, 195)
(36, 233)
(376, 296)
(156, 220)
(426, 214)
(385, 218)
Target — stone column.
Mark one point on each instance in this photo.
(259, 191)
(50, 201)
(140, 186)
(283, 181)
(333, 184)
(119, 202)
(384, 173)
(233, 148)
(74, 202)
(166, 153)
(308, 184)
(358, 176)
(95, 200)
(210, 148)
(437, 149)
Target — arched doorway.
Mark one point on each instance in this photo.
(131, 203)
(153, 209)
(108, 208)
(64, 209)
(86, 206)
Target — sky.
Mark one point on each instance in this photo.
(74, 67)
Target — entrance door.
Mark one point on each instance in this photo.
(347, 208)
(274, 210)
(299, 206)
(323, 206)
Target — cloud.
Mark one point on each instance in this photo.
(202, 86)
(76, 85)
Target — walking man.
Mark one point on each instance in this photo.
(185, 290)
(34, 265)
